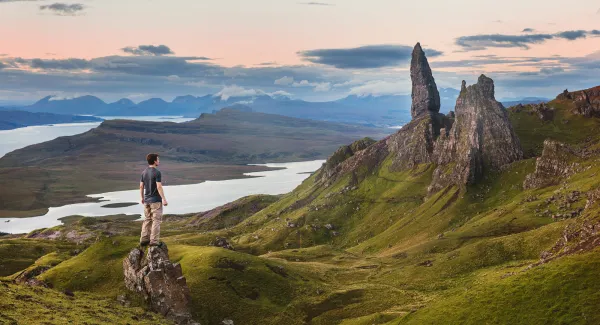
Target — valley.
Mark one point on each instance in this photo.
(110, 157)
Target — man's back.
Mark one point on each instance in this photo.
(150, 177)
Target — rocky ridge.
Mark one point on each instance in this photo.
(587, 102)
(475, 138)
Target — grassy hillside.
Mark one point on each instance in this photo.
(373, 247)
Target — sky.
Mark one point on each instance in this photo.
(310, 50)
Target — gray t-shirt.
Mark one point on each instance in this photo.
(150, 177)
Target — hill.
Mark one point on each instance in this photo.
(485, 216)
(213, 147)
(12, 119)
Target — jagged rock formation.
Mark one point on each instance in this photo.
(587, 102)
(544, 111)
(481, 139)
(475, 138)
(331, 167)
(425, 95)
(555, 164)
(159, 281)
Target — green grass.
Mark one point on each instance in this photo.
(566, 291)
(35, 305)
(18, 254)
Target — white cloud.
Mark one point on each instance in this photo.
(318, 86)
(280, 93)
(235, 91)
(379, 88)
(322, 87)
(285, 81)
(173, 77)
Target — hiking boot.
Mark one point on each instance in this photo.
(144, 243)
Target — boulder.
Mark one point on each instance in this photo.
(555, 163)
(221, 242)
(159, 281)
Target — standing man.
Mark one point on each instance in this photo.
(153, 199)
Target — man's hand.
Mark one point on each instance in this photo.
(165, 203)
(142, 201)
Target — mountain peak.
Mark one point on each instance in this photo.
(425, 95)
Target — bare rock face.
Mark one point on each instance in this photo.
(425, 95)
(160, 282)
(482, 138)
(587, 102)
(334, 165)
(414, 144)
(555, 164)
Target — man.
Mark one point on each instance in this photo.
(153, 200)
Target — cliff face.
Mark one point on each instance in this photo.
(478, 137)
(481, 139)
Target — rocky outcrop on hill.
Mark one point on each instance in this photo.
(475, 138)
(425, 95)
(481, 139)
(555, 164)
(333, 164)
(159, 281)
(544, 111)
(587, 102)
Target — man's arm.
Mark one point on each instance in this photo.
(142, 192)
(159, 187)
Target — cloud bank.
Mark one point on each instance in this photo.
(364, 57)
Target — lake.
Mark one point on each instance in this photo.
(11, 140)
(182, 198)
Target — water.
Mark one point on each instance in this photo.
(11, 140)
(182, 198)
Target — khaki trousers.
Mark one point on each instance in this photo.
(151, 226)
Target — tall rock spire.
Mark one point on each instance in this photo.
(425, 95)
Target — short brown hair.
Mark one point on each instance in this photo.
(151, 158)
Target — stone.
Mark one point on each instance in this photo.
(555, 163)
(160, 282)
(586, 102)
(481, 139)
(425, 95)
(222, 242)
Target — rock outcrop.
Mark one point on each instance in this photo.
(587, 102)
(332, 166)
(544, 111)
(425, 95)
(159, 281)
(462, 145)
(555, 163)
(481, 139)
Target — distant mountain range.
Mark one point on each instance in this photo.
(368, 110)
(16, 119)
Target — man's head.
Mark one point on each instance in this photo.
(153, 159)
